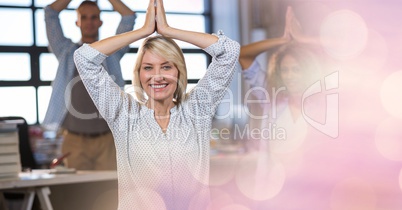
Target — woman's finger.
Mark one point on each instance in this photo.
(150, 17)
(160, 11)
(161, 17)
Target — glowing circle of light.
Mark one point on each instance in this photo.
(219, 199)
(388, 139)
(222, 170)
(391, 98)
(343, 34)
(295, 136)
(260, 178)
(376, 53)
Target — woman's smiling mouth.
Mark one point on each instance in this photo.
(158, 86)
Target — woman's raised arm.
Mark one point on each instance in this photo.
(199, 39)
(112, 44)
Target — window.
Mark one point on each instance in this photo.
(28, 68)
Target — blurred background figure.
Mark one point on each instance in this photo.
(87, 137)
(333, 139)
(296, 62)
(288, 104)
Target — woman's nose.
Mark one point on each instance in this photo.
(158, 77)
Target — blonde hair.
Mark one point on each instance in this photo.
(168, 49)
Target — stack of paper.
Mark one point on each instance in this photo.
(10, 162)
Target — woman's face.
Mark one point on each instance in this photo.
(158, 77)
(291, 74)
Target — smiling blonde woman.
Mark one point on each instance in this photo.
(162, 135)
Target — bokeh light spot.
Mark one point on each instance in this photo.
(295, 135)
(343, 34)
(222, 169)
(372, 60)
(391, 96)
(388, 139)
(219, 199)
(259, 177)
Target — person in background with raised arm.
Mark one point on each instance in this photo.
(86, 138)
(296, 62)
(162, 134)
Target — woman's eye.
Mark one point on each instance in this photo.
(166, 67)
(147, 68)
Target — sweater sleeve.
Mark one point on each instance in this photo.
(206, 96)
(113, 104)
(58, 43)
(126, 24)
(255, 81)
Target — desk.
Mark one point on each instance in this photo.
(82, 190)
